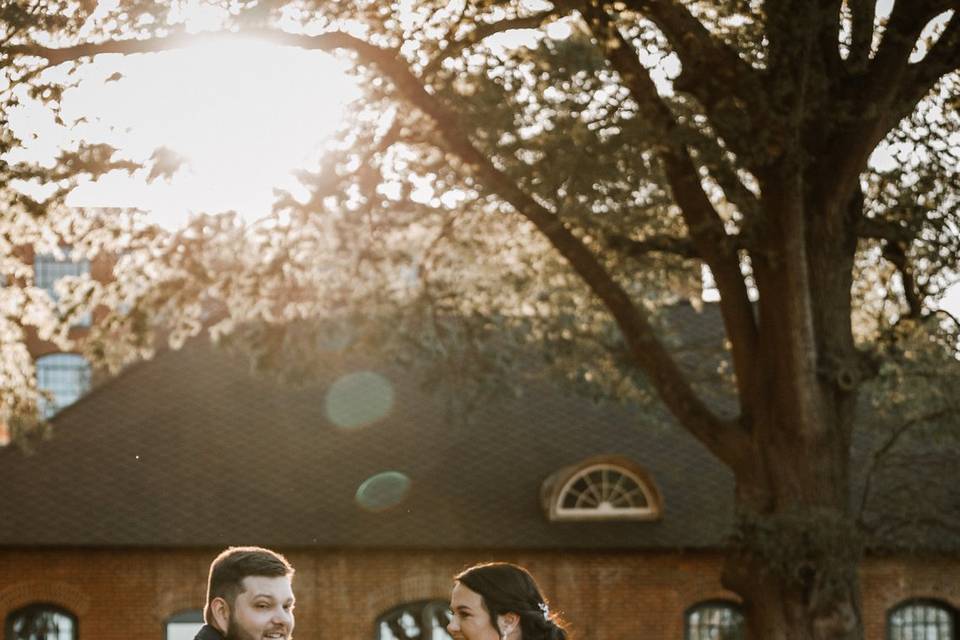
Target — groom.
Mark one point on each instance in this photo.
(249, 596)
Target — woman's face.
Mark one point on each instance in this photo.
(470, 620)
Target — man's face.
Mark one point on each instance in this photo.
(263, 610)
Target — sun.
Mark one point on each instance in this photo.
(242, 114)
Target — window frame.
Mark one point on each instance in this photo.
(556, 487)
(41, 606)
(714, 603)
(953, 617)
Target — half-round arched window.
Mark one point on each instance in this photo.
(926, 619)
(420, 620)
(66, 376)
(41, 621)
(713, 620)
(606, 488)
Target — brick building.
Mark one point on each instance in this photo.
(378, 493)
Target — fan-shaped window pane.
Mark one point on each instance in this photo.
(184, 625)
(605, 491)
(922, 620)
(66, 376)
(422, 620)
(41, 622)
(714, 621)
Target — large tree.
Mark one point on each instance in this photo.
(559, 191)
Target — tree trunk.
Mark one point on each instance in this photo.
(797, 551)
(795, 561)
(822, 605)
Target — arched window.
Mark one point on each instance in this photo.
(66, 376)
(605, 488)
(40, 621)
(922, 620)
(714, 620)
(183, 625)
(421, 620)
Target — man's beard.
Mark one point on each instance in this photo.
(236, 632)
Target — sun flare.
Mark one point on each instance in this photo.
(243, 115)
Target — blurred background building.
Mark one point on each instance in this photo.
(379, 488)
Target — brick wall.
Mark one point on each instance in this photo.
(605, 596)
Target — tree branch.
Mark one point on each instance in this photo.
(943, 58)
(705, 226)
(724, 438)
(888, 446)
(673, 245)
(713, 157)
(329, 41)
(864, 110)
(863, 13)
(829, 30)
(886, 73)
(55, 56)
(792, 29)
(896, 254)
(712, 71)
(880, 230)
(487, 29)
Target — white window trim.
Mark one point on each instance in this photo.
(556, 487)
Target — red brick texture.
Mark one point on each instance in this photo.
(121, 594)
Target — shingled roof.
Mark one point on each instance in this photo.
(192, 449)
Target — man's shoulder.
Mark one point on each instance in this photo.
(208, 633)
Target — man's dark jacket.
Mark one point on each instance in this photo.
(208, 633)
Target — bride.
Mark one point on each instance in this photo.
(501, 601)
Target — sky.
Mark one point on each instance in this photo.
(244, 115)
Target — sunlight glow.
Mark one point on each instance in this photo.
(242, 115)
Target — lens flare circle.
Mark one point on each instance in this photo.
(383, 491)
(359, 399)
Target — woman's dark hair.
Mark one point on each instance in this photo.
(508, 588)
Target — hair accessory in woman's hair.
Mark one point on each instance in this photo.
(545, 610)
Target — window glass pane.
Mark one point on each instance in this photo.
(40, 622)
(423, 620)
(603, 491)
(922, 621)
(715, 621)
(47, 269)
(66, 376)
(184, 625)
(436, 618)
(183, 630)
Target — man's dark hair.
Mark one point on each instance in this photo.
(228, 570)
